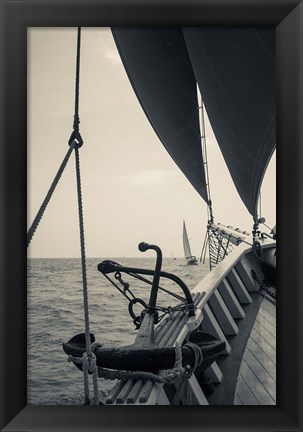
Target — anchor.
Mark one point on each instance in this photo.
(144, 355)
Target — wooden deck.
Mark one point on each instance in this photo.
(256, 384)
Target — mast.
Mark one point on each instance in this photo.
(217, 243)
(204, 153)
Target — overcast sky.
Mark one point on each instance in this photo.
(132, 190)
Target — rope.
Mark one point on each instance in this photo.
(187, 374)
(167, 376)
(89, 365)
(88, 359)
(76, 133)
(83, 257)
(75, 141)
(90, 356)
(49, 194)
(77, 84)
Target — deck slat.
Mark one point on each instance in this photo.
(262, 357)
(257, 375)
(111, 397)
(261, 373)
(146, 391)
(135, 391)
(245, 394)
(237, 400)
(256, 387)
(265, 336)
(124, 392)
(269, 308)
(268, 349)
(267, 325)
(267, 316)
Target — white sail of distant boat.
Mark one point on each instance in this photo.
(191, 259)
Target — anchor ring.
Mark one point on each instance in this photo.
(131, 305)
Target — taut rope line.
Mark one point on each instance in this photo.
(89, 358)
(50, 192)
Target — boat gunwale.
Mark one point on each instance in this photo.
(213, 279)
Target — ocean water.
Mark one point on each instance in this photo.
(55, 314)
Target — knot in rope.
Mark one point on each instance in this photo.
(76, 138)
(198, 356)
(184, 389)
(89, 365)
(88, 361)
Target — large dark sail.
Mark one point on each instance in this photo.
(159, 69)
(235, 70)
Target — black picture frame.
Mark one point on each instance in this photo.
(16, 16)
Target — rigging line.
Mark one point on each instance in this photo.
(79, 194)
(49, 194)
(119, 289)
(177, 296)
(84, 273)
(77, 140)
(77, 83)
(76, 136)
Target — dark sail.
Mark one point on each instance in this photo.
(159, 69)
(235, 70)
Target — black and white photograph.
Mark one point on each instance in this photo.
(151, 194)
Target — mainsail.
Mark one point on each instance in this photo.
(159, 69)
(186, 246)
(235, 71)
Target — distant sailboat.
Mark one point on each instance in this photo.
(191, 259)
